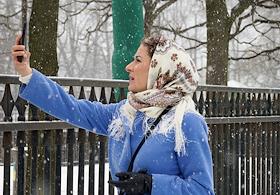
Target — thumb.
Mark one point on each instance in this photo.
(28, 54)
(17, 39)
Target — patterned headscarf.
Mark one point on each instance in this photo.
(172, 80)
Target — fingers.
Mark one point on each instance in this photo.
(120, 184)
(16, 54)
(18, 37)
(19, 50)
(123, 175)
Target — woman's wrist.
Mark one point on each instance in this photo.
(27, 72)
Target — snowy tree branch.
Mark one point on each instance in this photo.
(263, 52)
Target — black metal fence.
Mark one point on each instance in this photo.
(244, 137)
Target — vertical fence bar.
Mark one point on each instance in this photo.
(233, 138)
(102, 142)
(228, 159)
(259, 159)
(31, 163)
(243, 146)
(7, 103)
(248, 145)
(122, 93)
(102, 151)
(201, 104)
(254, 145)
(112, 100)
(34, 157)
(207, 104)
(263, 160)
(255, 162)
(81, 140)
(92, 153)
(248, 158)
(274, 159)
(227, 150)
(216, 159)
(58, 153)
(278, 158)
(70, 154)
(92, 145)
(20, 165)
(7, 145)
(259, 146)
(21, 107)
(47, 160)
(221, 133)
(237, 143)
(70, 158)
(235, 146)
(264, 142)
(269, 144)
(269, 157)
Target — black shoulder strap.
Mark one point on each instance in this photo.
(130, 167)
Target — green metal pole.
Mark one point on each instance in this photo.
(128, 30)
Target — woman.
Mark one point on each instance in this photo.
(175, 158)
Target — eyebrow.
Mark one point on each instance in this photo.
(136, 56)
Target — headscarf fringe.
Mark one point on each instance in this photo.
(116, 129)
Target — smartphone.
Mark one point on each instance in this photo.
(22, 40)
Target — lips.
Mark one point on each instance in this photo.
(131, 78)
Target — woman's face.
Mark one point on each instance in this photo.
(138, 70)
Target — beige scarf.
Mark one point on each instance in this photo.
(172, 80)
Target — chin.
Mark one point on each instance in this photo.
(131, 89)
(135, 90)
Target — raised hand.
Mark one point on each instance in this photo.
(23, 68)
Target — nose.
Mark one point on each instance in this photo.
(129, 67)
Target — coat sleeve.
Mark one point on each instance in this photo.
(52, 99)
(195, 166)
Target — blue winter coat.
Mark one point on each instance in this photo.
(172, 174)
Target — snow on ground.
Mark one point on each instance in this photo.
(64, 179)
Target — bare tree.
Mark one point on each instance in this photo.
(83, 36)
(249, 23)
(10, 23)
(223, 26)
(152, 10)
(225, 34)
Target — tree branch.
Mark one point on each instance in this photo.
(164, 6)
(264, 52)
(179, 33)
(239, 9)
(12, 15)
(238, 25)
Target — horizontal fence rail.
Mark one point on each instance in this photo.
(244, 137)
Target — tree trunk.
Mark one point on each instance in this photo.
(43, 46)
(43, 36)
(218, 30)
(149, 18)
